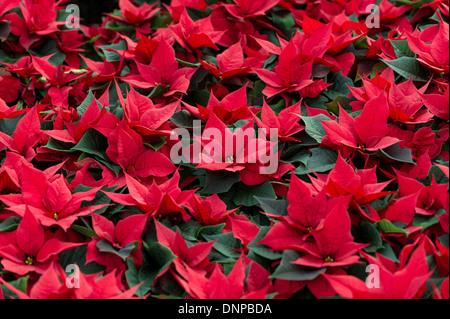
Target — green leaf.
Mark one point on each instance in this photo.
(226, 244)
(89, 233)
(288, 271)
(408, 67)
(255, 94)
(124, 252)
(93, 143)
(220, 181)
(341, 100)
(157, 143)
(396, 153)
(369, 234)
(210, 230)
(401, 48)
(263, 250)
(196, 14)
(390, 227)
(10, 223)
(322, 159)
(188, 64)
(276, 207)
(189, 229)
(245, 195)
(313, 127)
(296, 153)
(388, 252)
(20, 284)
(55, 145)
(132, 276)
(77, 256)
(157, 259)
(425, 221)
(100, 198)
(182, 119)
(158, 90)
(339, 85)
(84, 105)
(112, 56)
(8, 126)
(50, 48)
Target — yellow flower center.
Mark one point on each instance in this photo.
(329, 259)
(29, 261)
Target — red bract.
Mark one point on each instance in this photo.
(231, 108)
(403, 281)
(38, 20)
(366, 132)
(116, 243)
(286, 122)
(126, 149)
(432, 46)
(194, 256)
(155, 200)
(230, 63)
(290, 75)
(210, 210)
(28, 249)
(200, 286)
(163, 69)
(137, 16)
(194, 35)
(49, 198)
(26, 136)
(343, 180)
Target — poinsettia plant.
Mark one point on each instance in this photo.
(212, 149)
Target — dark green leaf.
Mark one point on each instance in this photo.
(288, 271)
(220, 181)
(84, 105)
(369, 234)
(408, 67)
(396, 153)
(263, 250)
(10, 223)
(20, 284)
(245, 195)
(8, 126)
(225, 243)
(77, 256)
(157, 259)
(314, 128)
(322, 159)
(132, 276)
(401, 48)
(425, 221)
(158, 90)
(124, 252)
(210, 230)
(389, 227)
(112, 56)
(83, 231)
(93, 143)
(182, 119)
(273, 206)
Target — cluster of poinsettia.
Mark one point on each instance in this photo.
(95, 205)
